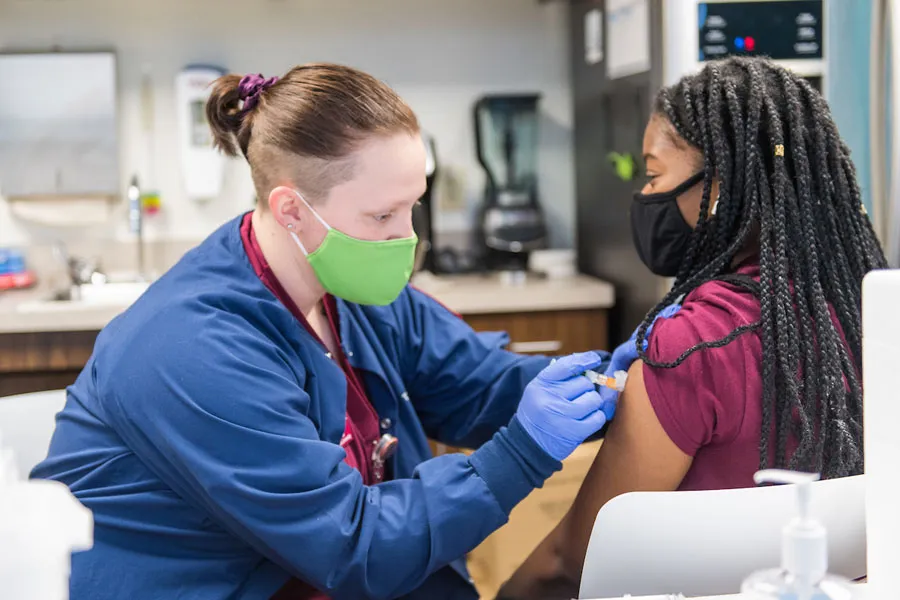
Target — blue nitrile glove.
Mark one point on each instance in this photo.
(623, 356)
(560, 407)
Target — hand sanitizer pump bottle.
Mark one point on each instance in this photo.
(41, 524)
(804, 553)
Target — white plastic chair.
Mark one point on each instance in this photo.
(27, 422)
(706, 543)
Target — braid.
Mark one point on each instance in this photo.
(838, 267)
(787, 186)
(800, 219)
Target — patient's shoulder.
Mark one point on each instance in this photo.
(710, 312)
(704, 397)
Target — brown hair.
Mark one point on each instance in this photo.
(304, 127)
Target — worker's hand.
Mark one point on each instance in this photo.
(624, 355)
(560, 407)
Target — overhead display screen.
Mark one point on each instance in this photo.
(779, 29)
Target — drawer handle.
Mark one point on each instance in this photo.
(536, 347)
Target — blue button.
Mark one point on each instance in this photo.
(16, 265)
(739, 43)
(4, 261)
(15, 262)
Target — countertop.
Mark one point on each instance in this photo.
(464, 294)
(61, 316)
(483, 294)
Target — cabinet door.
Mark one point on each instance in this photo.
(558, 332)
(35, 362)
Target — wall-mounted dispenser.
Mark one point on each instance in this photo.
(202, 165)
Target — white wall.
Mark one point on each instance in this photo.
(438, 54)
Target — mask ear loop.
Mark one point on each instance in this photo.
(290, 226)
(297, 241)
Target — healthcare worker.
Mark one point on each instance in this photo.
(255, 425)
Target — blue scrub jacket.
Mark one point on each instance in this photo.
(204, 435)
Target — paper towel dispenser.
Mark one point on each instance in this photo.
(59, 126)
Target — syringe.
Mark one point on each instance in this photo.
(616, 382)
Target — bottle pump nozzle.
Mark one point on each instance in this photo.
(804, 551)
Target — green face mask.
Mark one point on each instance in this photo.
(360, 271)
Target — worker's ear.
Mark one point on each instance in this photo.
(287, 208)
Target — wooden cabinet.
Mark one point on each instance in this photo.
(551, 332)
(32, 362)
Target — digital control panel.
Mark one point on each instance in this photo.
(779, 29)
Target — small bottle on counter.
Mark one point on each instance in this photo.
(803, 574)
(14, 273)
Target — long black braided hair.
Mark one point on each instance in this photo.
(785, 177)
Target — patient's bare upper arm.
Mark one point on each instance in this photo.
(636, 455)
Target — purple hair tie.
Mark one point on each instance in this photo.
(251, 86)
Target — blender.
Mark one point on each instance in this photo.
(511, 223)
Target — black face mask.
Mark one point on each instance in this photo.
(659, 231)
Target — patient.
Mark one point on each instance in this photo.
(752, 204)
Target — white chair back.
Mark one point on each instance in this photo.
(705, 543)
(27, 422)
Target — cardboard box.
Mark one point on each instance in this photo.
(497, 558)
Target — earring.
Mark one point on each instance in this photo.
(290, 225)
(715, 207)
